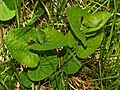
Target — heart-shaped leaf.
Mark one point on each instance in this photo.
(25, 80)
(94, 21)
(72, 66)
(71, 40)
(45, 68)
(7, 10)
(17, 40)
(74, 15)
(92, 44)
(54, 39)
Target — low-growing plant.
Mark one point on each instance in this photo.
(45, 53)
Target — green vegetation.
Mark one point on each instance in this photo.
(60, 45)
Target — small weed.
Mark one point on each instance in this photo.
(60, 45)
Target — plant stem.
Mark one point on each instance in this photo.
(17, 8)
(4, 84)
(48, 13)
(108, 5)
(113, 26)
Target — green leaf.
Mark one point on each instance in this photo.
(17, 42)
(72, 66)
(74, 15)
(7, 81)
(91, 21)
(41, 37)
(92, 44)
(25, 80)
(34, 18)
(54, 39)
(7, 10)
(55, 79)
(71, 40)
(2, 88)
(10, 82)
(46, 67)
(94, 21)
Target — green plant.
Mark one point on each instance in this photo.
(37, 49)
(6, 8)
